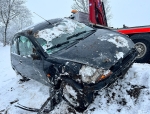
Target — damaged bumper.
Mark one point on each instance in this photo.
(119, 69)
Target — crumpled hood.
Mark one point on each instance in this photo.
(100, 50)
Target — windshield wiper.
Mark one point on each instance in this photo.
(58, 45)
(76, 35)
(79, 34)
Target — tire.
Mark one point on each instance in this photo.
(78, 101)
(143, 47)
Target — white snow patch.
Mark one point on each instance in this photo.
(1, 24)
(111, 34)
(67, 27)
(71, 95)
(119, 55)
(87, 73)
(66, 63)
(71, 91)
(117, 40)
(1, 44)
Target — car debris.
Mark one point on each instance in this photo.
(73, 59)
(43, 109)
(12, 102)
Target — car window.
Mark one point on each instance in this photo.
(25, 46)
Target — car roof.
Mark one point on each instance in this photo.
(41, 25)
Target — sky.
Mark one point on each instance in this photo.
(128, 12)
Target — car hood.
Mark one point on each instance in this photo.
(102, 49)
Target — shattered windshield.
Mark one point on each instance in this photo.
(61, 35)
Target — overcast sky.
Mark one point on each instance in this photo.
(128, 12)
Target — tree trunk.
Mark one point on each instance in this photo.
(5, 34)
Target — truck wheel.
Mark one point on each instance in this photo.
(143, 47)
(74, 98)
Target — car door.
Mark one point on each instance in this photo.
(31, 61)
(23, 58)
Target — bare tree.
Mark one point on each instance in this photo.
(9, 11)
(23, 20)
(83, 5)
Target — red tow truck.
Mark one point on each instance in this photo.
(140, 34)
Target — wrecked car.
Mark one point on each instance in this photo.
(71, 56)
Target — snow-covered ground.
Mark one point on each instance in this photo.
(130, 95)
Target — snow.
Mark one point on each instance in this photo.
(71, 91)
(117, 40)
(119, 55)
(116, 98)
(88, 74)
(67, 26)
(129, 95)
(1, 24)
(87, 71)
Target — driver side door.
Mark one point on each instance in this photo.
(31, 62)
(26, 50)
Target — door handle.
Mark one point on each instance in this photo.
(20, 62)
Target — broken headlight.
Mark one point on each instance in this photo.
(93, 75)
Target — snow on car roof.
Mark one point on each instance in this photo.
(68, 26)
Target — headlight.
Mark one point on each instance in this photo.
(93, 75)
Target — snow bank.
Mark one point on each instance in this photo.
(129, 95)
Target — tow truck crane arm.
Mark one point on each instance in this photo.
(97, 12)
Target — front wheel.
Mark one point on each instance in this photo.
(75, 98)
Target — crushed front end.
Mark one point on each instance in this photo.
(84, 92)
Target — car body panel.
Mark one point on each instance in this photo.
(101, 52)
